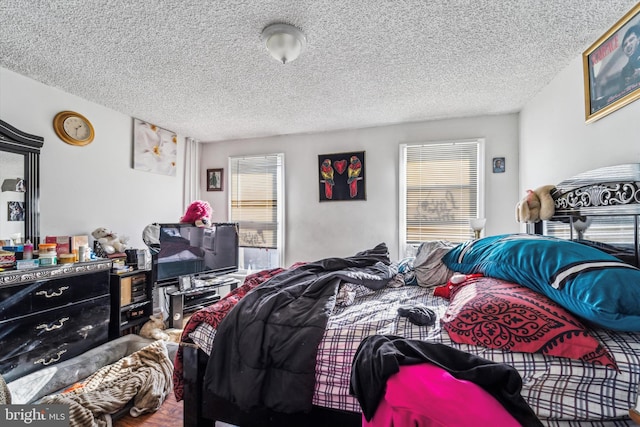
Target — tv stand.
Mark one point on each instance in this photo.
(205, 292)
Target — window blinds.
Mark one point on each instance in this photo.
(442, 191)
(254, 199)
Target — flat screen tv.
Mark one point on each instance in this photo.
(188, 250)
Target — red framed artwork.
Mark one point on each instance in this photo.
(341, 176)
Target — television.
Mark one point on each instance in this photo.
(188, 250)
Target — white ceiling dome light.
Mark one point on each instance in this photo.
(284, 41)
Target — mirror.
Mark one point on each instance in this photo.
(20, 184)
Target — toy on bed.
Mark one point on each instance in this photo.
(537, 205)
(199, 213)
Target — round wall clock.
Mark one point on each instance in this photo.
(73, 128)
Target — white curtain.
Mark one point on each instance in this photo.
(191, 190)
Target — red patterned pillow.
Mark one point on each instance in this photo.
(497, 314)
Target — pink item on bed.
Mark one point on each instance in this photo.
(425, 395)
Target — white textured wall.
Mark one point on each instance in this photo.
(316, 230)
(83, 188)
(86, 187)
(555, 142)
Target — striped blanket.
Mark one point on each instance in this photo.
(144, 376)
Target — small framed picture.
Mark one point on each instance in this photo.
(498, 165)
(15, 211)
(214, 179)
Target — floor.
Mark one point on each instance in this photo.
(169, 414)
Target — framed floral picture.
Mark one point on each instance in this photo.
(341, 176)
(154, 149)
(214, 179)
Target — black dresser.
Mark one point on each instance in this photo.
(51, 314)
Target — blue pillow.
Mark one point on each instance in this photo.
(586, 281)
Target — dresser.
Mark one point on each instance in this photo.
(51, 314)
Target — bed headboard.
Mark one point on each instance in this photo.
(599, 207)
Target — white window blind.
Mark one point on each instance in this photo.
(441, 190)
(255, 199)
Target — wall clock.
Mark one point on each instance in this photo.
(73, 128)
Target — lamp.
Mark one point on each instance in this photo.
(581, 226)
(477, 224)
(284, 41)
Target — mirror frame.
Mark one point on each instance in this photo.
(16, 141)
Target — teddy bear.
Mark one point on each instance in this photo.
(109, 241)
(198, 212)
(155, 329)
(537, 205)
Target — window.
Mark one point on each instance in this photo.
(257, 196)
(441, 189)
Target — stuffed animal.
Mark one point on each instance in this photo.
(199, 213)
(537, 205)
(109, 241)
(155, 329)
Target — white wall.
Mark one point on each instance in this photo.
(317, 230)
(83, 188)
(87, 187)
(555, 142)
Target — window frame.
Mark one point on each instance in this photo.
(405, 249)
(280, 207)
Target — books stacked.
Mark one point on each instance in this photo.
(119, 264)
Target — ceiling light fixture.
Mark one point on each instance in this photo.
(284, 41)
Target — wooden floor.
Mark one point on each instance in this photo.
(169, 415)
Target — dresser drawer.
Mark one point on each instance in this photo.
(40, 339)
(20, 300)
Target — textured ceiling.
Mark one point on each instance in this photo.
(200, 68)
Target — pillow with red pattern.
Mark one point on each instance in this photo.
(497, 314)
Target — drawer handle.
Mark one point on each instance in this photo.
(58, 325)
(46, 294)
(53, 359)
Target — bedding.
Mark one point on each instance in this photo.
(561, 391)
(212, 316)
(405, 394)
(265, 348)
(379, 357)
(494, 313)
(588, 282)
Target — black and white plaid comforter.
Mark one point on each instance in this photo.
(563, 392)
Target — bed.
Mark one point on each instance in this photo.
(588, 375)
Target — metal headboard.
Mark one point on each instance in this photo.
(605, 195)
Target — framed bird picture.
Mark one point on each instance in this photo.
(341, 176)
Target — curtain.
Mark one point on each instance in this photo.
(191, 190)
